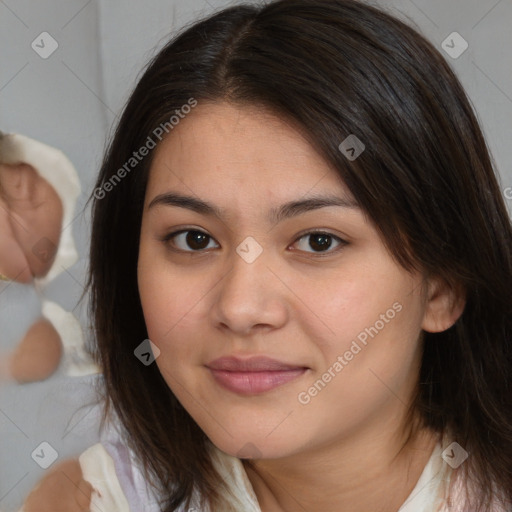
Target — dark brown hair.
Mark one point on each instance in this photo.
(333, 67)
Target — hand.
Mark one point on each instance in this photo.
(34, 211)
(62, 490)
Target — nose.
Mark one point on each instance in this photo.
(250, 297)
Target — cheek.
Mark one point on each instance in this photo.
(335, 308)
(171, 301)
(373, 321)
(379, 360)
(357, 381)
(164, 311)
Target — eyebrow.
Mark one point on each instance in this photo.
(276, 215)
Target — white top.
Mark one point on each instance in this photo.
(119, 485)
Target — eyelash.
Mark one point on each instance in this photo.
(342, 243)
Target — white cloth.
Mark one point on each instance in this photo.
(54, 166)
(429, 494)
(22, 304)
(110, 468)
(98, 469)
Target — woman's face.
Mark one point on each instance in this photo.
(276, 273)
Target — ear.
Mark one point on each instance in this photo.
(444, 305)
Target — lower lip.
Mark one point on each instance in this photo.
(253, 383)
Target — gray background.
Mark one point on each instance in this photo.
(71, 100)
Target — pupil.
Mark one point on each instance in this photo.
(197, 240)
(320, 242)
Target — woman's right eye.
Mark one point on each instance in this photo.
(188, 240)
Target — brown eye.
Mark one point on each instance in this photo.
(189, 240)
(319, 242)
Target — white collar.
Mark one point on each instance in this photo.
(427, 495)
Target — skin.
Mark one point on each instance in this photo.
(30, 210)
(30, 224)
(38, 355)
(341, 451)
(63, 489)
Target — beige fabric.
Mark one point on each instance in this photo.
(429, 494)
(98, 469)
(53, 165)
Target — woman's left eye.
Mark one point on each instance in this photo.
(320, 242)
(193, 240)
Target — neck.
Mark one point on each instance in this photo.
(361, 473)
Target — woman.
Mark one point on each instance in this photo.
(299, 210)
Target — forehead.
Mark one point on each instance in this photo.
(221, 147)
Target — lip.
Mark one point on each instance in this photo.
(251, 364)
(254, 375)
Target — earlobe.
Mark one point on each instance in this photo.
(444, 305)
